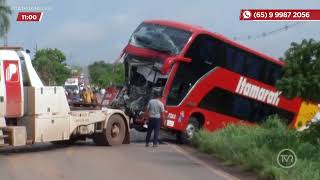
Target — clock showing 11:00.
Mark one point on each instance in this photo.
(29, 16)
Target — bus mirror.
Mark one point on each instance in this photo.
(178, 59)
(170, 61)
(183, 59)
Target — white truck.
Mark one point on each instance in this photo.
(32, 113)
(72, 85)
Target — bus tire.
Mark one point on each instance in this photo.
(114, 134)
(192, 127)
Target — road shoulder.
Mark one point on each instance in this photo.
(214, 164)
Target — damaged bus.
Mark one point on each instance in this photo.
(207, 81)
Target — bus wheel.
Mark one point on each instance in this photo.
(114, 134)
(192, 127)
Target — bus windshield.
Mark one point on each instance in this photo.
(160, 38)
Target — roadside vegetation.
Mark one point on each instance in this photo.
(5, 13)
(256, 148)
(301, 73)
(105, 74)
(51, 66)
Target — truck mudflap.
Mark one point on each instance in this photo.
(2, 135)
(2, 138)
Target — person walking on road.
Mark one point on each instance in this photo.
(155, 111)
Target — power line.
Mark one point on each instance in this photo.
(269, 33)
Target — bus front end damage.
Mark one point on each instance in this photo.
(148, 59)
(143, 77)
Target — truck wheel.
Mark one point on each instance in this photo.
(114, 133)
(192, 127)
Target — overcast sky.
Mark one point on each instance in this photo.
(87, 31)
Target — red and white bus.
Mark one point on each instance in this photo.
(208, 81)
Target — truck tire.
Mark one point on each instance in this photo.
(113, 134)
(192, 127)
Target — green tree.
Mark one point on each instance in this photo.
(302, 71)
(5, 12)
(104, 74)
(51, 66)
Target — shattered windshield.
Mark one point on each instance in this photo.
(142, 80)
(161, 38)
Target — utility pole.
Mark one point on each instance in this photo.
(70, 58)
(5, 40)
(35, 49)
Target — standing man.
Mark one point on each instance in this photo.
(155, 111)
(87, 95)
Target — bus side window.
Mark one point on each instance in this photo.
(241, 108)
(207, 52)
(265, 73)
(180, 84)
(217, 100)
(254, 67)
(239, 63)
(221, 54)
(275, 74)
(215, 53)
(230, 53)
(202, 53)
(271, 73)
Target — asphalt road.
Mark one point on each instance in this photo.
(85, 161)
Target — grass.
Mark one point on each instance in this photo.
(255, 148)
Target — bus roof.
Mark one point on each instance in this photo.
(174, 24)
(199, 29)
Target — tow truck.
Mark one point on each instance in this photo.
(33, 113)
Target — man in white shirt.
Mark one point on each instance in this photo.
(155, 111)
